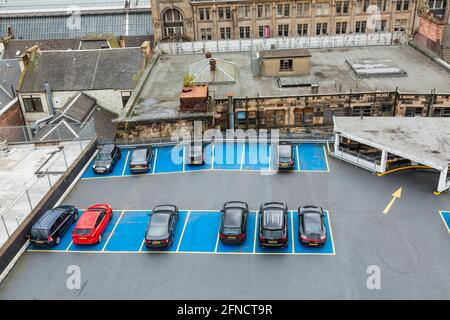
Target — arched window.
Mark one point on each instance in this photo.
(172, 22)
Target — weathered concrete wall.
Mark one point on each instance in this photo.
(271, 67)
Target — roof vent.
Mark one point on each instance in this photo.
(212, 64)
(208, 55)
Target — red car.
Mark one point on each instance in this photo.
(92, 224)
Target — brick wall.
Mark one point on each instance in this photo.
(12, 117)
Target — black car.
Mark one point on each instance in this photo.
(106, 158)
(311, 226)
(233, 224)
(141, 159)
(51, 226)
(273, 225)
(161, 227)
(285, 155)
(194, 154)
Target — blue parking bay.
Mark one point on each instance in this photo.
(326, 249)
(105, 236)
(169, 159)
(118, 169)
(247, 246)
(445, 215)
(312, 157)
(129, 232)
(257, 156)
(178, 234)
(201, 231)
(207, 156)
(228, 156)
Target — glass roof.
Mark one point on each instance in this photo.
(57, 27)
(30, 5)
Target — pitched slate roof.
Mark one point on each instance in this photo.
(76, 109)
(82, 70)
(15, 48)
(9, 76)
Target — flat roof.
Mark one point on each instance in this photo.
(425, 140)
(160, 94)
(285, 53)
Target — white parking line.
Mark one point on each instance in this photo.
(154, 161)
(126, 162)
(256, 231)
(242, 157)
(142, 245)
(326, 159)
(184, 159)
(298, 158)
(331, 232)
(217, 240)
(212, 156)
(292, 232)
(184, 228)
(114, 229)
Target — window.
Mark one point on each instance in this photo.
(125, 97)
(321, 28)
(225, 33)
(264, 10)
(32, 104)
(322, 9)
(382, 5)
(436, 4)
(400, 25)
(365, 111)
(341, 27)
(244, 12)
(204, 14)
(224, 13)
(206, 33)
(366, 5)
(360, 26)
(283, 30)
(413, 112)
(405, 5)
(303, 9)
(244, 32)
(380, 25)
(283, 10)
(261, 31)
(286, 65)
(342, 7)
(302, 29)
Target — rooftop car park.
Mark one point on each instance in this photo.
(359, 233)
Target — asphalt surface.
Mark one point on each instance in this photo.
(410, 244)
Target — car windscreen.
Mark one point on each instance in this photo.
(272, 234)
(273, 219)
(285, 151)
(82, 232)
(36, 232)
(312, 223)
(232, 218)
(103, 156)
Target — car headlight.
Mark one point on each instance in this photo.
(93, 166)
(108, 166)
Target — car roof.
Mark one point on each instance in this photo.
(273, 218)
(160, 218)
(88, 219)
(139, 152)
(107, 148)
(48, 218)
(285, 150)
(233, 217)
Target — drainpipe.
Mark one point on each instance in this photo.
(48, 94)
(230, 111)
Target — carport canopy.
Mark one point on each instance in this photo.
(424, 140)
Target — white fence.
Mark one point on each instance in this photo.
(345, 40)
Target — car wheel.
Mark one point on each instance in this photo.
(57, 240)
(99, 238)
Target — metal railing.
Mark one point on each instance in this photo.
(47, 175)
(325, 41)
(357, 159)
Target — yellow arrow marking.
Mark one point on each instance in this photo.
(395, 195)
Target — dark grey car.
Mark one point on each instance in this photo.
(160, 231)
(273, 225)
(233, 224)
(285, 156)
(311, 226)
(107, 157)
(141, 159)
(52, 225)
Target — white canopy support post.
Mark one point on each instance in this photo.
(383, 163)
(336, 142)
(444, 184)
